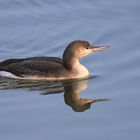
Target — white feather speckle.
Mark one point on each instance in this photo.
(7, 74)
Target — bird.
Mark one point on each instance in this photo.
(51, 68)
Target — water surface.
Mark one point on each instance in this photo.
(69, 110)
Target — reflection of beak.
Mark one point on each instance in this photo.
(99, 48)
(95, 100)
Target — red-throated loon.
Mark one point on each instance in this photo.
(51, 68)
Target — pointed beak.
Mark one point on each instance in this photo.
(99, 48)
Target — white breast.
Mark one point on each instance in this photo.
(80, 71)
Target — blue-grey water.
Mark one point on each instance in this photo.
(32, 110)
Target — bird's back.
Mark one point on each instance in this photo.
(48, 67)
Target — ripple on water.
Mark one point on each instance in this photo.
(35, 28)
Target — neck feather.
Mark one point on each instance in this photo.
(70, 60)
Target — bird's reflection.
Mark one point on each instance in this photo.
(72, 90)
(72, 96)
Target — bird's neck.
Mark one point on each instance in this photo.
(80, 70)
(76, 67)
(70, 62)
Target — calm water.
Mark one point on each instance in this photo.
(69, 109)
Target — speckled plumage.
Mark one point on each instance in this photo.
(34, 66)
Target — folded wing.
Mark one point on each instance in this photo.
(34, 66)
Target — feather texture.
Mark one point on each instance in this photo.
(34, 66)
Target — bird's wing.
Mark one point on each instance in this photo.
(35, 67)
(40, 65)
(43, 58)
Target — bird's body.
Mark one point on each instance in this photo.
(50, 68)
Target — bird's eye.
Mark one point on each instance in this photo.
(87, 47)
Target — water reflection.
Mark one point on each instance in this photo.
(72, 96)
(72, 90)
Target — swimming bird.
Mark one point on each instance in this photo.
(51, 68)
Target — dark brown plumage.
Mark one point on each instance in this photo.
(39, 66)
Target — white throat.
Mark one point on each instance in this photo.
(79, 70)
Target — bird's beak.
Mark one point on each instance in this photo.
(99, 48)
